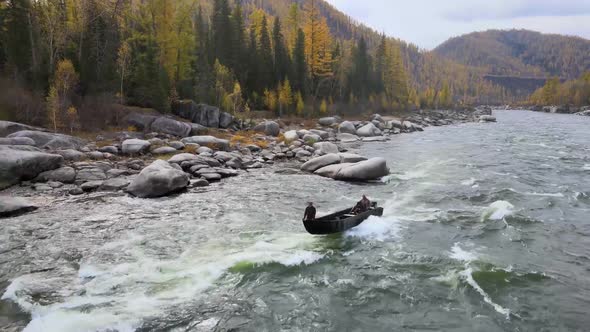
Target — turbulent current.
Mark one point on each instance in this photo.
(486, 228)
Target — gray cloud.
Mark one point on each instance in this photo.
(505, 9)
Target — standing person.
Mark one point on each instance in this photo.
(309, 212)
(363, 205)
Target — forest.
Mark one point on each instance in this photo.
(573, 92)
(72, 64)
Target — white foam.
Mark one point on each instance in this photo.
(586, 167)
(468, 277)
(469, 182)
(119, 296)
(411, 175)
(376, 228)
(460, 254)
(545, 194)
(497, 211)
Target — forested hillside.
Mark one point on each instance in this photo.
(66, 63)
(520, 53)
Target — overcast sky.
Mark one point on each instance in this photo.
(427, 23)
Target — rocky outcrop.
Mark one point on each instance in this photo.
(369, 130)
(16, 141)
(135, 146)
(347, 167)
(209, 141)
(269, 128)
(50, 141)
(157, 180)
(7, 128)
(331, 171)
(19, 164)
(203, 114)
(371, 169)
(325, 148)
(14, 206)
(141, 122)
(172, 127)
(328, 121)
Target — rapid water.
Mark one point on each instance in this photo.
(486, 228)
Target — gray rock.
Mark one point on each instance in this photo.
(71, 155)
(347, 127)
(17, 141)
(269, 128)
(96, 155)
(375, 139)
(55, 184)
(205, 115)
(14, 206)
(17, 164)
(76, 191)
(395, 124)
(303, 154)
(41, 187)
(325, 148)
(204, 149)
(347, 138)
(320, 162)
(328, 121)
(113, 173)
(256, 165)
(177, 145)
(158, 179)
(225, 120)
(377, 117)
(368, 130)
(253, 148)
(135, 146)
(172, 127)
(209, 141)
(109, 149)
(90, 186)
(311, 138)
(180, 158)
(7, 128)
(487, 118)
(164, 150)
(140, 121)
(90, 174)
(235, 163)
(115, 184)
(371, 169)
(346, 158)
(199, 183)
(225, 156)
(50, 140)
(197, 129)
(211, 176)
(321, 133)
(291, 136)
(331, 171)
(63, 174)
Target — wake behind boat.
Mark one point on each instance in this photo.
(340, 221)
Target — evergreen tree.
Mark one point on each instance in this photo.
(299, 65)
(265, 58)
(238, 36)
(361, 69)
(19, 38)
(281, 57)
(222, 32)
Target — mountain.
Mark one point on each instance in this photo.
(519, 58)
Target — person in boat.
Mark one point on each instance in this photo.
(362, 206)
(309, 212)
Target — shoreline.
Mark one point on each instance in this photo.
(101, 166)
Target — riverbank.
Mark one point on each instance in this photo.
(44, 167)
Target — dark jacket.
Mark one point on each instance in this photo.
(309, 213)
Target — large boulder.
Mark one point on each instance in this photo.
(71, 154)
(311, 138)
(50, 140)
(63, 175)
(203, 114)
(350, 158)
(321, 133)
(225, 120)
(139, 121)
(331, 171)
(170, 126)
(371, 169)
(135, 146)
(347, 138)
(14, 206)
(269, 128)
(157, 180)
(16, 141)
(19, 164)
(319, 162)
(487, 118)
(325, 148)
(197, 129)
(368, 130)
(347, 127)
(328, 121)
(7, 128)
(394, 124)
(208, 141)
(91, 174)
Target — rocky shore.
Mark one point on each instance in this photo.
(168, 155)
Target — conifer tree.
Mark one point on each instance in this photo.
(299, 65)
(281, 57)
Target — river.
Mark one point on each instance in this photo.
(486, 228)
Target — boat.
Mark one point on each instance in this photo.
(340, 221)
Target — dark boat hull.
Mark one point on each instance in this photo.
(339, 222)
